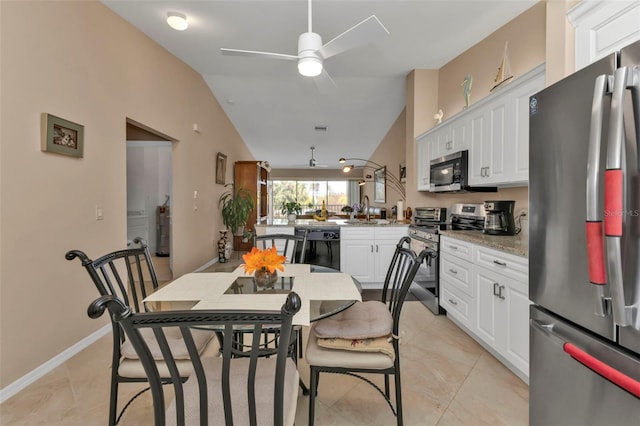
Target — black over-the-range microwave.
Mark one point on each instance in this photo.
(451, 174)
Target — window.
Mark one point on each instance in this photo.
(310, 194)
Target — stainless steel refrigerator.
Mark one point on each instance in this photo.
(584, 246)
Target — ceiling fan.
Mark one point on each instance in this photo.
(312, 160)
(311, 51)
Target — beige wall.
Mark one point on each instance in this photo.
(390, 153)
(97, 71)
(435, 89)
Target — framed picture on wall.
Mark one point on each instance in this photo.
(403, 172)
(221, 168)
(62, 136)
(379, 185)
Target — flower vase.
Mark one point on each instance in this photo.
(223, 248)
(264, 278)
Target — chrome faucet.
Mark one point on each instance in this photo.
(365, 202)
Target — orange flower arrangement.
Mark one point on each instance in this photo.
(267, 259)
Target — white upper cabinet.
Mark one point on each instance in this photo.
(602, 27)
(424, 147)
(495, 130)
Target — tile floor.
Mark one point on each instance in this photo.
(448, 379)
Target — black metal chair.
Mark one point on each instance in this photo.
(322, 359)
(130, 276)
(294, 247)
(254, 389)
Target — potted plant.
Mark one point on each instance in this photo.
(291, 209)
(236, 208)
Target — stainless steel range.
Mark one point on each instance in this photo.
(427, 222)
(424, 233)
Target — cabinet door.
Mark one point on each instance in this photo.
(477, 140)
(491, 312)
(423, 145)
(357, 259)
(459, 134)
(493, 155)
(442, 143)
(517, 324)
(384, 250)
(517, 151)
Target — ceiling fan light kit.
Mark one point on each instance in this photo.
(311, 52)
(177, 21)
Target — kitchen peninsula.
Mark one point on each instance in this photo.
(365, 248)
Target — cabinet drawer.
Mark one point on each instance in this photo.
(506, 264)
(456, 305)
(356, 233)
(458, 248)
(390, 232)
(457, 272)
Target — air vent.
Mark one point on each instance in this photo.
(320, 128)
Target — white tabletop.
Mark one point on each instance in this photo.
(207, 291)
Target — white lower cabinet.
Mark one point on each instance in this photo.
(366, 251)
(489, 296)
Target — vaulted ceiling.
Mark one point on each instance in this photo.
(272, 106)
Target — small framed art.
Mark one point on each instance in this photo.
(62, 136)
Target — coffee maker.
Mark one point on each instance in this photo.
(500, 219)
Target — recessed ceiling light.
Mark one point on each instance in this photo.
(177, 21)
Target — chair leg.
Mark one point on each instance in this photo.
(398, 397)
(113, 401)
(386, 385)
(313, 390)
(300, 343)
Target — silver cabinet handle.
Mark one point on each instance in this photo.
(500, 296)
(371, 248)
(453, 247)
(496, 291)
(497, 262)
(453, 271)
(453, 302)
(376, 248)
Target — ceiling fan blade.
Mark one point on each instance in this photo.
(237, 52)
(325, 83)
(365, 32)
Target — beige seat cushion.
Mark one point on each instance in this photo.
(362, 320)
(265, 375)
(319, 356)
(130, 365)
(373, 344)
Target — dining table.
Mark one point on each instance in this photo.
(323, 291)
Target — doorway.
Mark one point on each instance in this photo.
(149, 195)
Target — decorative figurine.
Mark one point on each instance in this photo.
(504, 73)
(438, 116)
(467, 90)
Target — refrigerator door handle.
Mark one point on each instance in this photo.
(594, 228)
(608, 372)
(615, 376)
(614, 199)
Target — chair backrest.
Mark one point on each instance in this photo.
(213, 380)
(127, 274)
(286, 245)
(402, 270)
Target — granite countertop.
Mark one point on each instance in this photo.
(332, 223)
(512, 244)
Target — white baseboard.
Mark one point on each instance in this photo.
(33, 375)
(207, 265)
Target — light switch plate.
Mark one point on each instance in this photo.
(99, 213)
